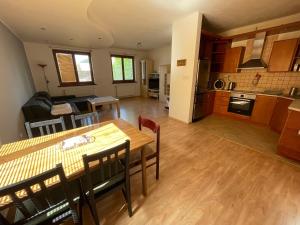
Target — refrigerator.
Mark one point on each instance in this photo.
(202, 86)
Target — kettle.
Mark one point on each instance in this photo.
(293, 91)
(231, 86)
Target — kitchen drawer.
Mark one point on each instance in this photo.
(222, 94)
(222, 101)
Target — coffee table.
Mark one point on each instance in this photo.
(106, 100)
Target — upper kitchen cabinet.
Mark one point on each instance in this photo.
(205, 47)
(282, 55)
(218, 55)
(233, 58)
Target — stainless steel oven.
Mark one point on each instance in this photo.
(241, 103)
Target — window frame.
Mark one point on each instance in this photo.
(123, 72)
(73, 53)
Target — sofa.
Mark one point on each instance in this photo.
(38, 107)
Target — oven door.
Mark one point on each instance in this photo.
(241, 106)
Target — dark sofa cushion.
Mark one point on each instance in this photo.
(62, 98)
(43, 94)
(36, 110)
(38, 107)
(45, 100)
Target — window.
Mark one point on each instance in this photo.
(73, 68)
(122, 69)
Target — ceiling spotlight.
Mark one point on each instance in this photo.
(100, 38)
(71, 39)
(43, 28)
(139, 44)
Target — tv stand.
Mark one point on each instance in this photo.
(154, 93)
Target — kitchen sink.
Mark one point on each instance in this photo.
(273, 92)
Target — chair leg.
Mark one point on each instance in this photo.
(157, 167)
(128, 197)
(81, 201)
(124, 193)
(80, 209)
(92, 205)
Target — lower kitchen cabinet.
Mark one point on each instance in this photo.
(263, 109)
(289, 141)
(280, 114)
(209, 99)
(221, 102)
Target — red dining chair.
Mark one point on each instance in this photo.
(151, 153)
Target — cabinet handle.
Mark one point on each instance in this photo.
(298, 132)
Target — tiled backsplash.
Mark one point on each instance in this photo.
(268, 81)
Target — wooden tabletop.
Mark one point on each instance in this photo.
(24, 159)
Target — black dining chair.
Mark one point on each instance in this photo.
(44, 205)
(85, 119)
(104, 173)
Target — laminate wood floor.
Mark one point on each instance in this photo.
(208, 175)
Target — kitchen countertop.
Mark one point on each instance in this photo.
(295, 105)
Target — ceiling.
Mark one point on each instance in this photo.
(115, 23)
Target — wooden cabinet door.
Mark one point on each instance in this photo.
(289, 141)
(282, 55)
(221, 102)
(209, 102)
(233, 58)
(263, 109)
(280, 114)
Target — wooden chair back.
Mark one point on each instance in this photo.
(47, 125)
(107, 163)
(154, 127)
(85, 119)
(41, 201)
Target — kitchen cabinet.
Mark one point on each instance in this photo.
(233, 58)
(218, 55)
(205, 47)
(209, 99)
(280, 114)
(289, 141)
(263, 109)
(221, 102)
(282, 55)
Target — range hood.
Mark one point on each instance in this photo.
(255, 61)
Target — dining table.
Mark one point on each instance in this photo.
(27, 158)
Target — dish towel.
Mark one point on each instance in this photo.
(61, 109)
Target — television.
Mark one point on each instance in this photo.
(153, 83)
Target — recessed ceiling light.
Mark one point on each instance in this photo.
(139, 44)
(43, 28)
(71, 39)
(100, 38)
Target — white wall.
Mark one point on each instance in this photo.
(160, 56)
(185, 45)
(42, 53)
(16, 86)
